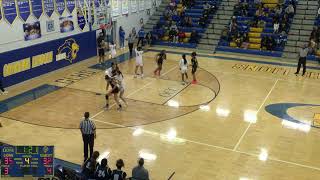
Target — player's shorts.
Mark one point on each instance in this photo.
(115, 90)
(183, 70)
(101, 52)
(194, 70)
(139, 63)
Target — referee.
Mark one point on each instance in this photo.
(302, 59)
(88, 131)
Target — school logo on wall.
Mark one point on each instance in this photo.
(68, 51)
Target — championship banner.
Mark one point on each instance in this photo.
(32, 31)
(148, 4)
(134, 6)
(48, 6)
(36, 8)
(60, 6)
(125, 6)
(9, 10)
(81, 14)
(70, 5)
(32, 61)
(141, 5)
(115, 7)
(24, 9)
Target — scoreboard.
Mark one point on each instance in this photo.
(20, 161)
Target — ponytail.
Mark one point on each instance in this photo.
(184, 59)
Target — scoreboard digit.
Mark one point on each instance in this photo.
(20, 161)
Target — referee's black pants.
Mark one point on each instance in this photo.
(130, 48)
(302, 61)
(88, 140)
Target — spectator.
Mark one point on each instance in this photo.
(202, 22)
(270, 43)
(313, 33)
(101, 46)
(312, 45)
(90, 165)
(237, 40)
(130, 43)
(103, 171)
(278, 10)
(225, 35)
(134, 32)
(181, 36)
(172, 35)
(263, 43)
(245, 41)
(118, 174)
(139, 172)
(122, 35)
(276, 27)
(193, 37)
(166, 14)
(189, 22)
(290, 10)
(88, 131)
(141, 35)
(148, 38)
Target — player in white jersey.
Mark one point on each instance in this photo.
(109, 73)
(120, 80)
(139, 62)
(183, 64)
(113, 51)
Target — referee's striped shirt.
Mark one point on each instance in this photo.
(87, 126)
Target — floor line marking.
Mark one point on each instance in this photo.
(132, 93)
(248, 127)
(213, 146)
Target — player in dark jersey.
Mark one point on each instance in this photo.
(194, 65)
(103, 171)
(118, 174)
(159, 60)
(114, 90)
(90, 165)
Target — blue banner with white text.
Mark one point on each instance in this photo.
(29, 62)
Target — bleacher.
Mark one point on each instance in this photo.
(259, 35)
(195, 12)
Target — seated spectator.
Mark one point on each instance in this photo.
(289, 10)
(257, 3)
(276, 27)
(139, 172)
(193, 37)
(278, 10)
(189, 22)
(103, 171)
(173, 26)
(225, 35)
(181, 36)
(313, 33)
(118, 174)
(184, 21)
(166, 14)
(263, 43)
(173, 4)
(281, 40)
(237, 40)
(261, 23)
(270, 44)
(206, 8)
(172, 35)
(245, 41)
(90, 165)
(312, 45)
(202, 22)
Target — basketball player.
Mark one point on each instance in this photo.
(114, 90)
(120, 80)
(103, 171)
(183, 68)
(109, 71)
(139, 62)
(159, 60)
(101, 46)
(113, 51)
(118, 174)
(194, 65)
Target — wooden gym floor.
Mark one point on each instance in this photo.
(248, 118)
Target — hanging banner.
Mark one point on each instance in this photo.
(48, 7)
(97, 3)
(31, 31)
(70, 5)
(141, 5)
(36, 8)
(125, 6)
(9, 10)
(134, 6)
(24, 9)
(148, 4)
(115, 7)
(60, 6)
(81, 14)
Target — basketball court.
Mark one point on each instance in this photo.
(247, 118)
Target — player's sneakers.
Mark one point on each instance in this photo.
(135, 76)
(141, 76)
(107, 107)
(194, 82)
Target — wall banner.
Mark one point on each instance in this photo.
(115, 7)
(60, 6)
(66, 24)
(9, 10)
(29, 62)
(70, 5)
(125, 6)
(36, 8)
(48, 7)
(31, 31)
(24, 9)
(81, 14)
